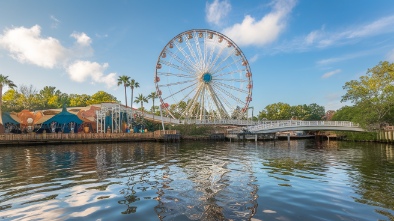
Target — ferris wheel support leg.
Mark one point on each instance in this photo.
(162, 122)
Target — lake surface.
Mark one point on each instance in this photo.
(262, 181)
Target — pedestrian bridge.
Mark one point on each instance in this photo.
(298, 125)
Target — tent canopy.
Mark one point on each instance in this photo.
(8, 119)
(64, 117)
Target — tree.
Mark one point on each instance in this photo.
(49, 97)
(77, 100)
(11, 100)
(29, 97)
(372, 94)
(125, 81)
(153, 96)
(4, 81)
(278, 111)
(101, 97)
(141, 99)
(315, 112)
(132, 84)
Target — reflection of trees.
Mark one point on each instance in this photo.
(374, 178)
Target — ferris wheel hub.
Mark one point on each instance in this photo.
(207, 77)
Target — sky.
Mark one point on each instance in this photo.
(299, 51)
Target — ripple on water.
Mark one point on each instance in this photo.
(197, 181)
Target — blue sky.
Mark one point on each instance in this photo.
(300, 51)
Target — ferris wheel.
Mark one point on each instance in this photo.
(202, 74)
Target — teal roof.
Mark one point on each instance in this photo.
(64, 117)
(8, 119)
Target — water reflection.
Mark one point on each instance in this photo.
(206, 188)
(199, 181)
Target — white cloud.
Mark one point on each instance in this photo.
(80, 71)
(55, 22)
(217, 11)
(347, 36)
(345, 57)
(82, 38)
(254, 58)
(264, 31)
(27, 46)
(390, 56)
(331, 73)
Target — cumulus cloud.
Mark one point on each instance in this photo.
(27, 46)
(217, 11)
(264, 31)
(331, 73)
(80, 71)
(82, 38)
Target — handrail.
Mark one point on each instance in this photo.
(268, 125)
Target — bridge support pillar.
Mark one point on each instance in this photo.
(288, 139)
(255, 138)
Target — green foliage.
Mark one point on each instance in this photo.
(26, 97)
(373, 95)
(101, 97)
(124, 80)
(193, 129)
(283, 111)
(358, 136)
(141, 99)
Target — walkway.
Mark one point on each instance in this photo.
(298, 125)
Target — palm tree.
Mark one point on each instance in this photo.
(141, 99)
(153, 96)
(4, 81)
(125, 81)
(133, 84)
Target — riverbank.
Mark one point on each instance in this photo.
(84, 138)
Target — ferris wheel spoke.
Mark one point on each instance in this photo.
(192, 52)
(173, 94)
(213, 63)
(200, 57)
(185, 54)
(228, 94)
(219, 70)
(233, 80)
(188, 66)
(176, 83)
(222, 61)
(232, 87)
(205, 52)
(176, 67)
(209, 61)
(229, 73)
(175, 75)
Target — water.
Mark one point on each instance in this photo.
(198, 181)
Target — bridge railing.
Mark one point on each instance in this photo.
(264, 125)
